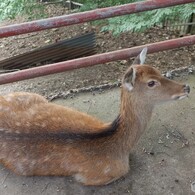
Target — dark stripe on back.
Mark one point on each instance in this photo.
(111, 130)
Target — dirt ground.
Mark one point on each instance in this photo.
(159, 163)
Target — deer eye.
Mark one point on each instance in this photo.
(151, 84)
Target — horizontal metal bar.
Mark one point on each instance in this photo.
(97, 14)
(95, 59)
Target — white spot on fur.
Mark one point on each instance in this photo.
(107, 170)
(37, 124)
(32, 112)
(43, 125)
(80, 178)
(54, 119)
(8, 131)
(4, 108)
(27, 124)
(8, 98)
(33, 163)
(99, 163)
(45, 159)
(18, 124)
(20, 168)
(39, 117)
(7, 109)
(17, 154)
(4, 145)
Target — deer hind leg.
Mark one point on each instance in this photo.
(101, 175)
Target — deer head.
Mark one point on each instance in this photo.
(147, 83)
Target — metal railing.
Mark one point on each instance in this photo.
(97, 14)
(95, 59)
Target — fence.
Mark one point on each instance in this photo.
(183, 26)
(89, 16)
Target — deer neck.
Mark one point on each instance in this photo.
(135, 114)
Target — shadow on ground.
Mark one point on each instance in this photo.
(163, 162)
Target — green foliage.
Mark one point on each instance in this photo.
(89, 4)
(9, 9)
(185, 11)
(134, 22)
(142, 21)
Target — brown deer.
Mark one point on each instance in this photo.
(42, 138)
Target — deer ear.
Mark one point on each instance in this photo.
(129, 79)
(140, 59)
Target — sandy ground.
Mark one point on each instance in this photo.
(163, 162)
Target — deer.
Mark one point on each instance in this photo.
(41, 138)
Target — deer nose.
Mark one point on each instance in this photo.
(187, 88)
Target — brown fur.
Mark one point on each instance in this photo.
(42, 138)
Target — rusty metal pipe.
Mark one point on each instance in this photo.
(97, 14)
(95, 59)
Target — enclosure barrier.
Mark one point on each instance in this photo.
(97, 14)
(95, 59)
